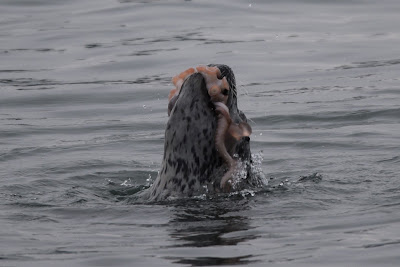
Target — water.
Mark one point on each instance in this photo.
(83, 101)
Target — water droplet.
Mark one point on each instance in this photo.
(149, 178)
(127, 182)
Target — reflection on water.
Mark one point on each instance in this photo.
(214, 224)
(211, 261)
(205, 223)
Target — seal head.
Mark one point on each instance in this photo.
(205, 136)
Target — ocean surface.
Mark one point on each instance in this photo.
(83, 109)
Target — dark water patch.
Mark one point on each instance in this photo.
(93, 45)
(49, 50)
(85, 105)
(365, 134)
(391, 91)
(358, 117)
(12, 119)
(196, 37)
(65, 251)
(220, 41)
(190, 36)
(14, 258)
(381, 244)
(213, 261)
(203, 223)
(365, 75)
(118, 177)
(132, 41)
(31, 82)
(21, 70)
(30, 217)
(36, 88)
(19, 82)
(291, 91)
(298, 144)
(349, 100)
(370, 64)
(315, 178)
(150, 52)
(29, 50)
(394, 159)
(244, 85)
(313, 90)
(30, 204)
(22, 152)
(391, 205)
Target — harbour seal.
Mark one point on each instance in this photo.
(207, 138)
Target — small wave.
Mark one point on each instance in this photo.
(21, 70)
(357, 116)
(40, 84)
(253, 176)
(41, 50)
(150, 52)
(394, 159)
(315, 178)
(27, 217)
(369, 64)
(381, 244)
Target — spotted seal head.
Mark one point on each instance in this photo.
(206, 136)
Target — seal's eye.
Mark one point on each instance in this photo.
(225, 92)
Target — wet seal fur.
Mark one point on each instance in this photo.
(191, 163)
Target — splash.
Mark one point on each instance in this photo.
(247, 181)
(249, 173)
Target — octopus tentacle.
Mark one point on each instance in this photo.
(217, 86)
(224, 122)
(225, 126)
(218, 89)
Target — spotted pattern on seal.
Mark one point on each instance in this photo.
(191, 162)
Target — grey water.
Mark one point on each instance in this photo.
(83, 107)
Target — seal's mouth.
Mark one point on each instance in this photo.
(214, 105)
